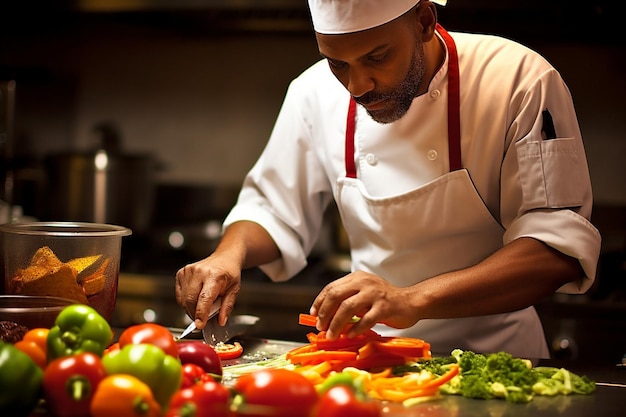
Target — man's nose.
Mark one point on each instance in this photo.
(359, 82)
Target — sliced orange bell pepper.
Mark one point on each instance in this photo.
(307, 320)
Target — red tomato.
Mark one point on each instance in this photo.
(209, 398)
(150, 333)
(340, 401)
(201, 354)
(229, 350)
(192, 374)
(275, 392)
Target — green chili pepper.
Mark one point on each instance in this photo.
(161, 372)
(77, 329)
(20, 382)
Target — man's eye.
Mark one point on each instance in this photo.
(336, 64)
(378, 58)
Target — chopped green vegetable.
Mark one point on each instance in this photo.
(555, 381)
(501, 376)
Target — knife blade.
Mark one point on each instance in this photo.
(215, 308)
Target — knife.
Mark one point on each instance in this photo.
(215, 308)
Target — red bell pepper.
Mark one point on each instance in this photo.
(70, 382)
(206, 399)
(152, 334)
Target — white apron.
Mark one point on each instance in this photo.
(439, 227)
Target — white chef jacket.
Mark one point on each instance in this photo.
(532, 186)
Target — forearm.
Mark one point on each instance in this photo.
(517, 276)
(249, 244)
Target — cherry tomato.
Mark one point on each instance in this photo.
(341, 401)
(208, 398)
(201, 354)
(275, 392)
(229, 350)
(192, 374)
(150, 333)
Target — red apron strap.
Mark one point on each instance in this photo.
(454, 102)
(454, 113)
(350, 127)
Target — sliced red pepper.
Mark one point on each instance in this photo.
(374, 361)
(319, 356)
(301, 349)
(342, 342)
(404, 346)
(229, 350)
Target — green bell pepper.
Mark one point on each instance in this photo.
(77, 329)
(161, 372)
(20, 382)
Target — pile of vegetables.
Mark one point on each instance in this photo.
(501, 376)
(75, 370)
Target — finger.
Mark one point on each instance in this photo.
(228, 304)
(187, 290)
(348, 308)
(366, 322)
(205, 300)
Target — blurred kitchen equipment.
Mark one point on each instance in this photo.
(7, 119)
(105, 185)
(79, 261)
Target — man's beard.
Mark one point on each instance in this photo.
(399, 99)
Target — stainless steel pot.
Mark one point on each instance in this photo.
(105, 185)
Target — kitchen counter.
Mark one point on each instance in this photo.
(608, 400)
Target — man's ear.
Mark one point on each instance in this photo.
(427, 19)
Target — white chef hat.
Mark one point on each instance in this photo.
(346, 16)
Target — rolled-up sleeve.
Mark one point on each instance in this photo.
(546, 188)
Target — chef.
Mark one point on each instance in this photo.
(458, 169)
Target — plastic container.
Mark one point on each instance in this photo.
(76, 261)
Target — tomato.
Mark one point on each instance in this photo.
(192, 374)
(275, 392)
(201, 354)
(340, 401)
(150, 333)
(209, 398)
(229, 350)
